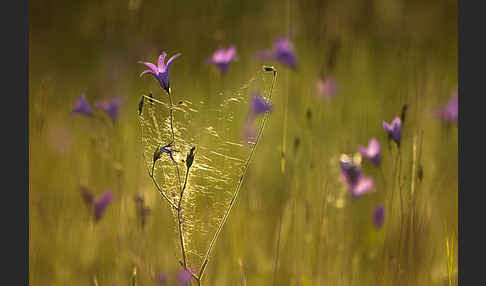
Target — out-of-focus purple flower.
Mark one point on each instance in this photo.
(162, 278)
(394, 129)
(184, 277)
(326, 88)
(372, 151)
(450, 111)
(379, 216)
(222, 58)
(161, 71)
(283, 51)
(102, 203)
(110, 106)
(362, 186)
(357, 183)
(82, 106)
(259, 105)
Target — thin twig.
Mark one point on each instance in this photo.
(235, 195)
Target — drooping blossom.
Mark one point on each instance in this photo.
(184, 277)
(165, 150)
(101, 204)
(110, 106)
(371, 152)
(394, 129)
(354, 178)
(379, 216)
(82, 106)
(282, 51)
(222, 58)
(326, 88)
(450, 111)
(161, 71)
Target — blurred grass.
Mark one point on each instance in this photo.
(391, 53)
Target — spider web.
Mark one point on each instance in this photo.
(224, 139)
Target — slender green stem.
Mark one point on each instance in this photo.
(151, 175)
(179, 205)
(238, 187)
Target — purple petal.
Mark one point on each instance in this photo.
(148, 71)
(259, 104)
(151, 66)
(372, 151)
(111, 107)
(379, 216)
(161, 62)
(387, 126)
(82, 106)
(169, 62)
(101, 204)
(363, 186)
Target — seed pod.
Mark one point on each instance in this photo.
(140, 106)
(190, 157)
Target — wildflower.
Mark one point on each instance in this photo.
(161, 71)
(394, 129)
(82, 106)
(326, 88)
(450, 111)
(362, 186)
(379, 216)
(283, 51)
(259, 105)
(222, 58)
(372, 151)
(165, 149)
(357, 183)
(184, 277)
(111, 107)
(102, 203)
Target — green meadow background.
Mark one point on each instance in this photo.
(291, 226)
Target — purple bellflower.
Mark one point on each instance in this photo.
(111, 107)
(161, 71)
(326, 88)
(222, 58)
(394, 129)
(372, 151)
(357, 183)
(379, 216)
(450, 111)
(282, 51)
(167, 150)
(82, 106)
(259, 105)
(102, 203)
